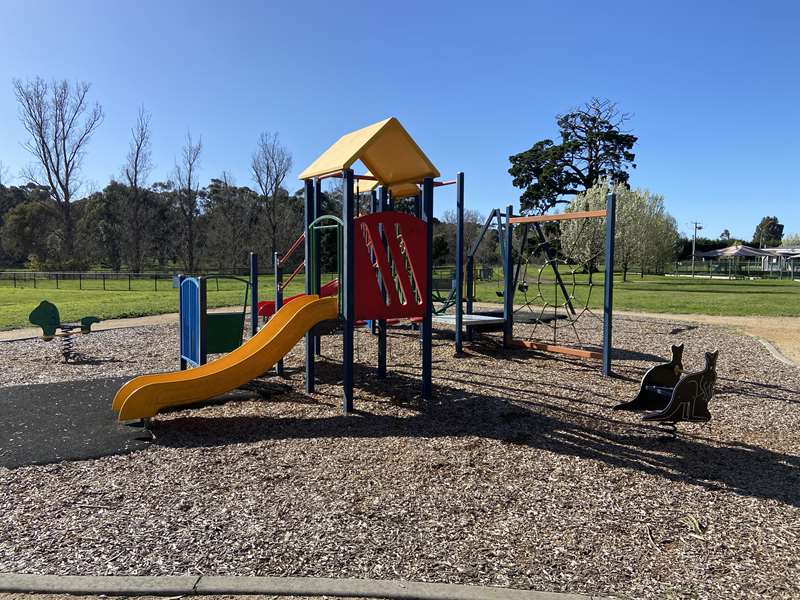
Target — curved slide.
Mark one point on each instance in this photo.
(145, 396)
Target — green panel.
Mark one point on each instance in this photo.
(224, 332)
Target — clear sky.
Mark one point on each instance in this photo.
(713, 86)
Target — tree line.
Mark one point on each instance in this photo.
(135, 223)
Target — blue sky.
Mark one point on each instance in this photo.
(713, 86)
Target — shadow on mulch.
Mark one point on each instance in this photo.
(536, 424)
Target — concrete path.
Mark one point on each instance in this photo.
(279, 586)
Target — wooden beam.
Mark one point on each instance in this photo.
(583, 214)
(567, 350)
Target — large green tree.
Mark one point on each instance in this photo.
(28, 232)
(233, 223)
(102, 226)
(593, 146)
(768, 233)
(14, 238)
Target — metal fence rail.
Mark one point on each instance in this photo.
(92, 280)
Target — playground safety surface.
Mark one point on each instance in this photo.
(70, 420)
(517, 475)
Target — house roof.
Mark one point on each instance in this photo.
(386, 149)
(733, 252)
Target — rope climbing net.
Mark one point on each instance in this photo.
(559, 294)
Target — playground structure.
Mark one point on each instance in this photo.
(46, 316)
(203, 333)
(384, 273)
(550, 311)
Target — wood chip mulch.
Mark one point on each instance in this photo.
(517, 474)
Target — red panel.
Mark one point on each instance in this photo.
(408, 253)
(266, 308)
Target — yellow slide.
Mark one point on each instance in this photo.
(145, 396)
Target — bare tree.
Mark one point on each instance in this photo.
(60, 122)
(3, 174)
(187, 195)
(270, 165)
(138, 165)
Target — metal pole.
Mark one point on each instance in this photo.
(278, 300)
(181, 317)
(427, 319)
(253, 293)
(348, 289)
(383, 200)
(317, 252)
(470, 285)
(374, 208)
(459, 261)
(508, 279)
(203, 319)
(608, 284)
(310, 186)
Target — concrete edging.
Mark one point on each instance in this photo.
(773, 350)
(282, 586)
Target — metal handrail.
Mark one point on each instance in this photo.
(295, 245)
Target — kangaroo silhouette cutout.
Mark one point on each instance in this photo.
(657, 384)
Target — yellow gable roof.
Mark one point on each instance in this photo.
(399, 190)
(386, 149)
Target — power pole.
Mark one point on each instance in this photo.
(697, 227)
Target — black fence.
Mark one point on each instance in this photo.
(91, 280)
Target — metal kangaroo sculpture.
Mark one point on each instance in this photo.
(666, 397)
(657, 384)
(690, 398)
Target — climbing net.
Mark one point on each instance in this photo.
(559, 293)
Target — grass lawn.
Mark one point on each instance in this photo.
(116, 301)
(668, 294)
(651, 294)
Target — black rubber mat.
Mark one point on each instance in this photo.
(53, 422)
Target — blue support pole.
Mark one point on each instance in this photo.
(418, 206)
(470, 284)
(181, 317)
(459, 261)
(608, 283)
(348, 309)
(317, 250)
(427, 319)
(374, 208)
(253, 293)
(278, 300)
(383, 201)
(508, 279)
(203, 319)
(310, 203)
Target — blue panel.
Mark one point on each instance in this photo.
(190, 320)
